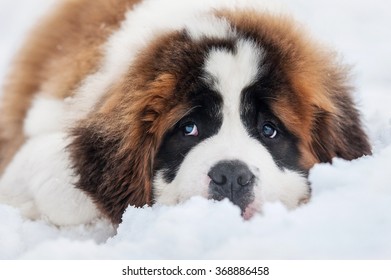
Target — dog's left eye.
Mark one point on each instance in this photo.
(190, 129)
(269, 130)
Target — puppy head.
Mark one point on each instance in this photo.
(240, 109)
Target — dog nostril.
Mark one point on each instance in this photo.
(245, 180)
(218, 179)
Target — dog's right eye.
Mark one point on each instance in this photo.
(190, 129)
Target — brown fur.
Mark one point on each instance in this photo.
(62, 50)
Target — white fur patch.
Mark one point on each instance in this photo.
(232, 72)
(46, 115)
(209, 26)
(39, 181)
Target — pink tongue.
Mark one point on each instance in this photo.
(249, 212)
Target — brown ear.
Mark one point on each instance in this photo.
(339, 134)
(112, 178)
(114, 148)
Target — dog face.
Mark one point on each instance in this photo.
(230, 143)
(240, 106)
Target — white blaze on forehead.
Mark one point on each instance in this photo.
(231, 72)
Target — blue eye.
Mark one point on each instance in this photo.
(190, 129)
(269, 131)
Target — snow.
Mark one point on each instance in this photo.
(349, 216)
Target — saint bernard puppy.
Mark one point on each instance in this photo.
(113, 103)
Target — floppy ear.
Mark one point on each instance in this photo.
(112, 177)
(113, 149)
(339, 134)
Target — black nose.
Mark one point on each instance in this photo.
(232, 180)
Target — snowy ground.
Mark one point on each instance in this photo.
(348, 218)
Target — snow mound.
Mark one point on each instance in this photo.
(345, 220)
